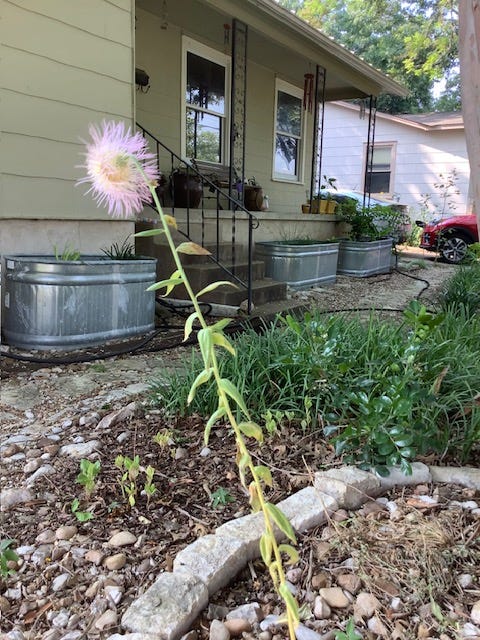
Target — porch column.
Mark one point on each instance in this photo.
(238, 104)
(372, 118)
(318, 120)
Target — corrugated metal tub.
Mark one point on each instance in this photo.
(69, 304)
(364, 259)
(300, 264)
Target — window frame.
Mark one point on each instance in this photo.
(189, 45)
(296, 92)
(392, 145)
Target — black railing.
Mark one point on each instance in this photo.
(183, 186)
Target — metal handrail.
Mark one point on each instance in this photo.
(236, 206)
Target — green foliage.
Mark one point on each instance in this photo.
(7, 555)
(81, 516)
(88, 474)
(462, 290)
(371, 223)
(385, 393)
(221, 497)
(163, 438)
(125, 251)
(413, 41)
(350, 633)
(149, 488)
(130, 469)
(67, 255)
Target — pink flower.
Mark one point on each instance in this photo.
(112, 169)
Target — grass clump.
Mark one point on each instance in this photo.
(462, 290)
(383, 393)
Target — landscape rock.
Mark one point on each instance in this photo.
(251, 612)
(377, 627)
(106, 620)
(420, 473)
(236, 626)
(213, 559)
(334, 597)
(170, 606)
(321, 609)
(366, 604)
(349, 486)
(349, 581)
(11, 497)
(115, 562)
(304, 633)
(80, 450)
(307, 508)
(464, 476)
(475, 613)
(218, 631)
(122, 539)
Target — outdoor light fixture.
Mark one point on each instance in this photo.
(142, 80)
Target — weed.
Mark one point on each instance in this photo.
(67, 255)
(221, 497)
(88, 475)
(130, 468)
(350, 632)
(163, 438)
(149, 488)
(7, 555)
(81, 516)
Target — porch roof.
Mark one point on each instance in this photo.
(279, 39)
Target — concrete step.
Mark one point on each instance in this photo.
(200, 275)
(263, 291)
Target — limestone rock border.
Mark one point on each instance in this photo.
(167, 609)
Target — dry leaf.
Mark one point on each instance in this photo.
(192, 249)
(31, 616)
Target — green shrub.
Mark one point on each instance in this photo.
(383, 392)
(462, 290)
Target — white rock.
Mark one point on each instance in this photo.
(251, 612)
(475, 613)
(46, 536)
(304, 633)
(469, 630)
(270, 621)
(334, 597)
(60, 582)
(465, 580)
(213, 559)
(396, 605)
(115, 562)
(464, 476)
(44, 470)
(11, 497)
(420, 474)
(32, 465)
(350, 486)
(114, 593)
(248, 529)
(321, 609)
(66, 532)
(218, 631)
(107, 619)
(171, 605)
(377, 627)
(80, 450)
(307, 508)
(365, 605)
(122, 539)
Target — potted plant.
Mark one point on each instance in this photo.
(186, 186)
(367, 250)
(253, 196)
(323, 202)
(68, 300)
(300, 262)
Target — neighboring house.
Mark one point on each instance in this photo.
(67, 64)
(413, 154)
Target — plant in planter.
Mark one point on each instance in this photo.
(367, 251)
(67, 301)
(300, 262)
(186, 186)
(324, 202)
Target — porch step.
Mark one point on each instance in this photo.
(200, 275)
(263, 291)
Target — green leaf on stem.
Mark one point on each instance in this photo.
(222, 341)
(251, 430)
(215, 417)
(170, 284)
(204, 338)
(189, 325)
(148, 233)
(291, 552)
(203, 376)
(290, 601)
(281, 521)
(215, 285)
(266, 548)
(264, 474)
(231, 390)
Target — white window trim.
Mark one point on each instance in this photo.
(192, 46)
(286, 87)
(393, 161)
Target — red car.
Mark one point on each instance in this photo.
(450, 236)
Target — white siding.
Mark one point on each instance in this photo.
(421, 156)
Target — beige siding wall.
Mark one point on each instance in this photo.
(158, 52)
(64, 64)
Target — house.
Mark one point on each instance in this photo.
(233, 83)
(413, 155)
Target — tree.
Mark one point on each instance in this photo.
(413, 41)
(469, 50)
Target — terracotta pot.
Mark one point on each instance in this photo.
(331, 206)
(305, 208)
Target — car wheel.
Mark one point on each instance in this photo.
(453, 247)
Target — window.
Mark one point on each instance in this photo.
(206, 74)
(379, 178)
(289, 125)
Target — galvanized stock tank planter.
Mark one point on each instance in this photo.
(361, 259)
(299, 263)
(54, 304)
